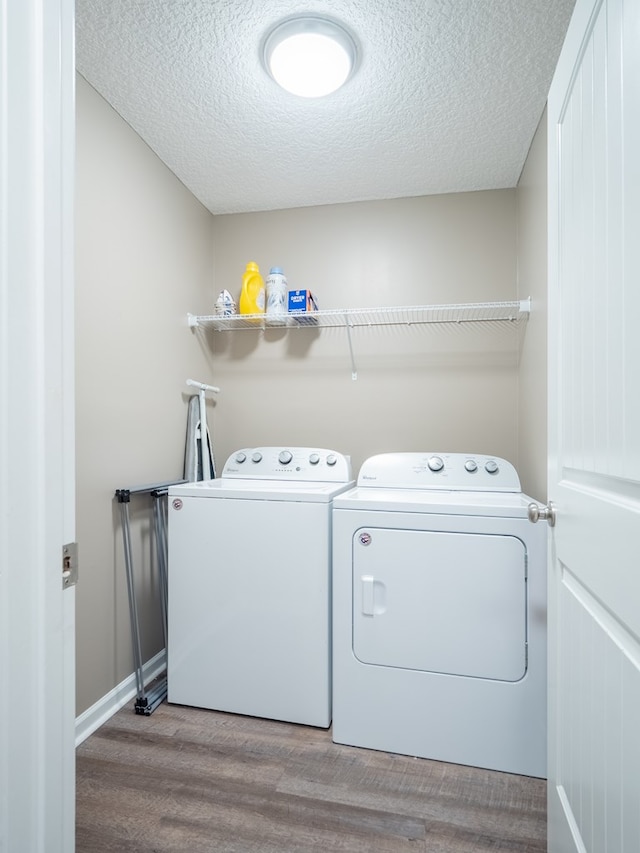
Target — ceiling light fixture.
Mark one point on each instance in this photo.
(310, 56)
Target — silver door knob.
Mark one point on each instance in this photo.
(544, 513)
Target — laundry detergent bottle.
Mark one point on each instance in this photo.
(277, 292)
(252, 293)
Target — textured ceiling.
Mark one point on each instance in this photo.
(446, 98)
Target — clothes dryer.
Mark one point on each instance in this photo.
(249, 575)
(439, 613)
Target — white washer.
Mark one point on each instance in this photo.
(250, 585)
(439, 613)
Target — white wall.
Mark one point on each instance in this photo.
(143, 260)
(418, 388)
(532, 281)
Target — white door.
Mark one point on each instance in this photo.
(594, 440)
(37, 702)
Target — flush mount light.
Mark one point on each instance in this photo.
(309, 55)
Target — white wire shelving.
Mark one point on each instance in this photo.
(476, 312)
(510, 313)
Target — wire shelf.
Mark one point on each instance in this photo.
(478, 312)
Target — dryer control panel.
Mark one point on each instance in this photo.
(445, 471)
(303, 464)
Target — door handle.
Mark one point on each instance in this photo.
(373, 596)
(367, 595)
(545, 513)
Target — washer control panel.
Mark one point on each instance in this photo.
(306, 464)
(445, 471)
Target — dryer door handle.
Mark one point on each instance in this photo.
(373, 596)
(367, 595)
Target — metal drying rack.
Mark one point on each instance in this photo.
(146, 700)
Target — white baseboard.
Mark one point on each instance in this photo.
(105, 708)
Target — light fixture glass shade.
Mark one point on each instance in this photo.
(309, 56)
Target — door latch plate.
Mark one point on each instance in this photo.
(69, 564)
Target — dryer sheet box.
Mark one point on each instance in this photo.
(302, 304)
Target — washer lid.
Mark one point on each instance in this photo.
(501, 504)
(271, 490)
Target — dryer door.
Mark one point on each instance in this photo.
(451, 603)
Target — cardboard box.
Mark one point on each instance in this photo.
(300, 304)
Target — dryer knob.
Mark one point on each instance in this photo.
(256, 457)
(240, 458)
(314, 459)
(331, 459)
(471, 466)
(491, 467)
(285, 457)
(435, 463)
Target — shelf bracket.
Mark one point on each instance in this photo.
(354, 371)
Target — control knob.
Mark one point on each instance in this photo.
(240, 458)
(331, 459)
(257, 456)
(471, 466)
(284, 457)
(314, 459)
(491, 467)
(435, 463)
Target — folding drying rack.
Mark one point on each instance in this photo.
(146, 701)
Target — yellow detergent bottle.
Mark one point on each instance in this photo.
(252, 294)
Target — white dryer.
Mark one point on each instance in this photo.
(249, 574)
(439, 613)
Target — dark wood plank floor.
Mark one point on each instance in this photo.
(200, 781)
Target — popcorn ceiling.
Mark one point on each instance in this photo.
(446, 98)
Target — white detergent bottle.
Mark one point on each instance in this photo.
(277, 294)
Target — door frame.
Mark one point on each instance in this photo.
(37, 441)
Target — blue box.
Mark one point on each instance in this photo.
(302, 302)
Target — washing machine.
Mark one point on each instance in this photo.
(249, 585)
(439, 613)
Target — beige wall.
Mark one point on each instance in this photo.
(143, 260)
(145, 254)
(532, 281)
(418, 388)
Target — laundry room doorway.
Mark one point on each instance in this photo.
(594, 433)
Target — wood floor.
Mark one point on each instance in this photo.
(200, 781)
